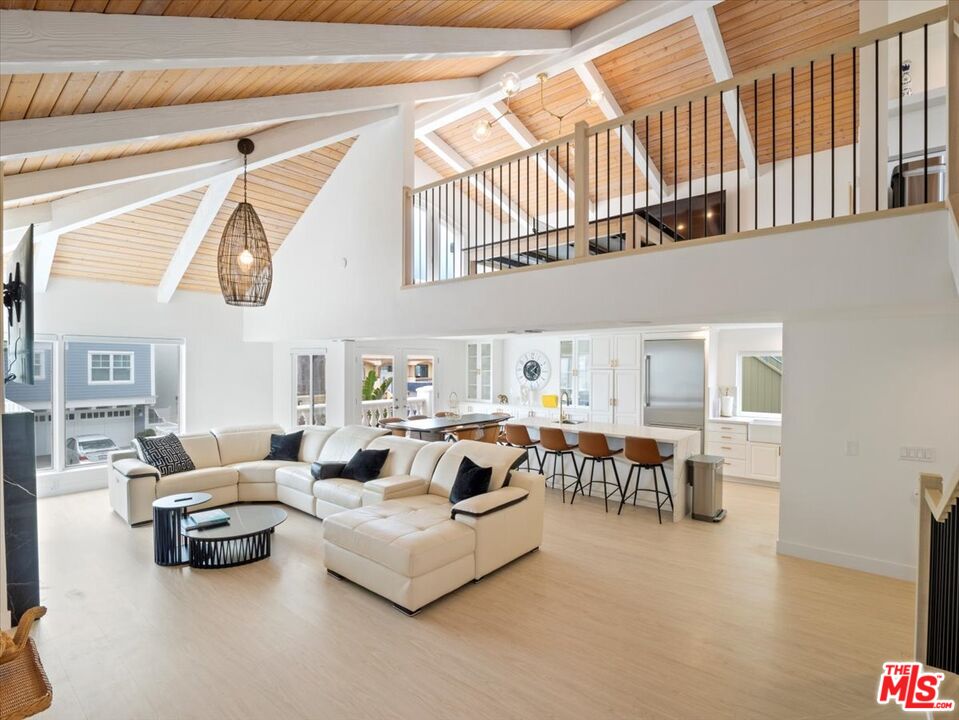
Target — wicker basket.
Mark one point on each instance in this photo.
(24, 687)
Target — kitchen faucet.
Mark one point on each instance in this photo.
(564, 395)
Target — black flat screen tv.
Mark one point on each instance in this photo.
(18, 313)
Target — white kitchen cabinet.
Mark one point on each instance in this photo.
(479, 371)
(615, 396)
(762, 461)
(616, 351)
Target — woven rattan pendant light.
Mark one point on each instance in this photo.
(243, 262)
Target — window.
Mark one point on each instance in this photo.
(115, 390)
(574, 370)
(110, 368)
(309, 388)
(39, 366)
(760, 383)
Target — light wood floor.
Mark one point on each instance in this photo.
(615, 617)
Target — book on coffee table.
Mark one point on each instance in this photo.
(205, 519)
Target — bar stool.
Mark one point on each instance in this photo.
(596, 449)
(643, 453)
(518, 436)
(554, 444)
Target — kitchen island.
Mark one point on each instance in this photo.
(684, 443)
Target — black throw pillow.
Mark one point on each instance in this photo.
(365, 465)
(471, 480)
(326, 470)
(285, 447)
(165, 453)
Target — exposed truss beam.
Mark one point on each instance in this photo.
(452, 158)
(56, 42)
(203, 217)
(594, 83)
(69, 133)
(74, 178)
(525, 139)
(91, 206)
(715, 48)
(44, 250)
(621, 25)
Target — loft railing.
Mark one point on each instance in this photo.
(937, 586)
(835, 132)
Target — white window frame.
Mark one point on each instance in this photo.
(739, 384)
(113, 354)
(294, 355)
(39, 361)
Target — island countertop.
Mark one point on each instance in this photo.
(615, 430)
(685, 442)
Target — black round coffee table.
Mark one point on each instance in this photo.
(168, 546)
(246, 539)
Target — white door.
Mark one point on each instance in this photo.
(601, 353)
(601, 399)
(626, 409)
(628, 351)
(763, 461)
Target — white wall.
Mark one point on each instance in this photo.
(228, 381)
(725, 344)
(881, 382)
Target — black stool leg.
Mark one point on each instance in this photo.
(619, 487)
(659, 507)
(579, 481)
(639, 475)
(669, 495)
(625, 493)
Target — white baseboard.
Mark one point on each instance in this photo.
(846, 560)
(71, 481)
(750, 481)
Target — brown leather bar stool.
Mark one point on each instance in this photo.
(554, 444)
(596, 449)
(518, 436)
(643, 453)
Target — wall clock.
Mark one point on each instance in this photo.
(532, 370)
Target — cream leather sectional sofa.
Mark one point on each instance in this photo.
(398, 535)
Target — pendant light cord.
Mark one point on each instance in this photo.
(244, 177)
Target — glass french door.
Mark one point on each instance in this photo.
(309, 381)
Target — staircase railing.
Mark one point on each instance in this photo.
(937, 587)
(812, 139)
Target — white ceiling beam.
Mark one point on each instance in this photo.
(56, 42)
(274, 145)
(74, 133)
(30, 186)
(610, 108)
(525, 139)
(620, 26)
(44, 250)
(715, 48)
(452, 158)
(206, 212)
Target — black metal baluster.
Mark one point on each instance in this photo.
(756, 154)
(596, 181)
(832, 135)
(812, 142)
(722, 198)
(619, 154)
(774, 148)
(706, 165)
(632, 157)
(529, 208)
(660, 177)
(609, 195)
(675, 172)
(536, 169)
(486, 195)
(876, 126)
(738, 157)
(792, 144)
(646, 237)
(901, 183)
(925, 113)
(855, 99)
(567, 197)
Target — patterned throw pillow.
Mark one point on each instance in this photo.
(165, 453)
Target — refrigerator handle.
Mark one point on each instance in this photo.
(646, 382)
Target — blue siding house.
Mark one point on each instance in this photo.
(107, 374)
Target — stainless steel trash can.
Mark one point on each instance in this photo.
(706, 477)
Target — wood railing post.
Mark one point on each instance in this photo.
(407, 236)
(581, 175)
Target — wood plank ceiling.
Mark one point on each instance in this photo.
(137, 247)
(667, 63)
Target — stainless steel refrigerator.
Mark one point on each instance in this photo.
(674, 392)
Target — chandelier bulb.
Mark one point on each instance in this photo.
(509, 84)
(245, 259)
(482, 130)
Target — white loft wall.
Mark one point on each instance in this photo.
(881, 382)
(228, 381)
